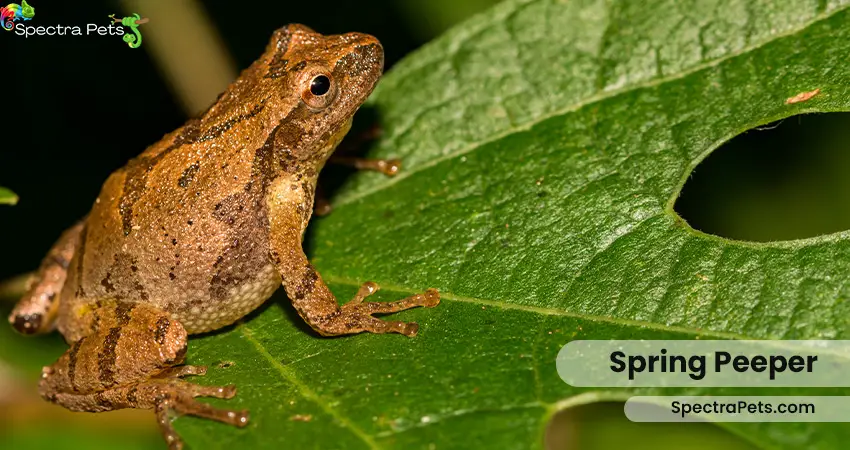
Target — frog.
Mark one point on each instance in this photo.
(201, 229)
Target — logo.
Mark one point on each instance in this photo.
(133, 40)
(14, 12)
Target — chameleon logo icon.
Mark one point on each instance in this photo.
(14, 12)
(133, 40)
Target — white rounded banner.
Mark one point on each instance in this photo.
(737, 409)
(705, 363)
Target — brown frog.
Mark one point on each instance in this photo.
(201, 229)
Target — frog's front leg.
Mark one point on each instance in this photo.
(131, 359)
(310, 295)
(388, 167)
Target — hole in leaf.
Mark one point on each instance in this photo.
(782, 181)
(602, 426)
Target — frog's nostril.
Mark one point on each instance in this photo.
(372, 54)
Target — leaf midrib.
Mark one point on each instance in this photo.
(588, 101)
(289, 375)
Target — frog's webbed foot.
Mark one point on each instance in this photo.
(179, 399)
(357, 315)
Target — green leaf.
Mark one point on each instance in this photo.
(544, 144)
(7, 197)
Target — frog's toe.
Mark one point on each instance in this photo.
(190, 406)
(163, 419)
(183, 371)
(431, 298)
(225, 392)
(180, 402)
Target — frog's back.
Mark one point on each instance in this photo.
(183, 227)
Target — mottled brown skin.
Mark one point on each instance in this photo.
(202, 228)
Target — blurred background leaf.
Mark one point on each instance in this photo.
(7, 197)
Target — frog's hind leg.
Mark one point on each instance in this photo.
(131, 359)
(35, 312)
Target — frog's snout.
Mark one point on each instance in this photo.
(368, 50)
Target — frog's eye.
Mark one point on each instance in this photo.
(319, 92)
(320, 85)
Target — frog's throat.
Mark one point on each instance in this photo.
(337, 137)
(323, 153)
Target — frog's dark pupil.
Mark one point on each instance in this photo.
(320, 85)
